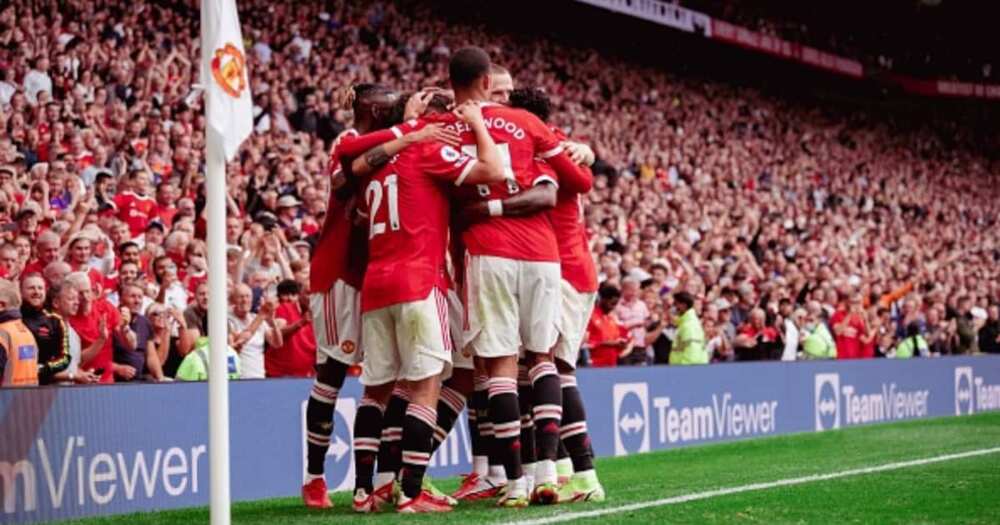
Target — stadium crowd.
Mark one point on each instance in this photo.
(928, 39)
(781, 219)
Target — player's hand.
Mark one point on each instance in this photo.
(417, 104)
(580, 154)
(470, 112)
(438, 133)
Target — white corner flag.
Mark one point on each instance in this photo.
(229, 110)
(229, 121)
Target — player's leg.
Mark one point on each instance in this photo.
(583, 484)
(456, 390)
(524, 399)
(336, 322)
(505, 414)
(379, 373)
(390, 452)
(367, 434)
(493, 334)
(423, 335)
(540, 304)
(319, 427)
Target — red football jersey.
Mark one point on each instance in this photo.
(576, 263)
(341, 251)
(521, 138)
(135, 210)
(408, 212)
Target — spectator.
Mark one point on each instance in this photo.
(850, 329)
(297, 357)
(607, 338)
(196, 315)
(65, 299)
(249, 334)
(97, 323)
(756, 341)
(633, 313)
(791, 335)
(19, 355)
(817, 342)
(135, 352)
(689, 348)
(965, 331)
(170, 349)
(48, 329)
(989, 334)
(914, 343)
(195, 366)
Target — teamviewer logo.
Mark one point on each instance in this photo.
(631, 402)
(963, 391)
(827, 405)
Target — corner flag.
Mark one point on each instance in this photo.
(229, 111)
(229, 121)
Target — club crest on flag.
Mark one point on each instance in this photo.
(229, 70)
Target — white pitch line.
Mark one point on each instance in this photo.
(570, 516)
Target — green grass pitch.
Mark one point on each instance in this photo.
(955, 491)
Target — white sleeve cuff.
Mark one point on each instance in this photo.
(545, 178)
(465, 172)
(395, 131)
(552, 152)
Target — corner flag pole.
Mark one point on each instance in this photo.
(218, 371)
(229, 121)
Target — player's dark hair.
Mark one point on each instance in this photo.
(467, 65)
(608, 291)
(398, 110)
(440, 103)
(532, 100)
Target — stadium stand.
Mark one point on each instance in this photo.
(776, 212)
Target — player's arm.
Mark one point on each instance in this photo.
(536, 199)
(550, 149)
(379, 156)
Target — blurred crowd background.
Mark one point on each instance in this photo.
(778, 213)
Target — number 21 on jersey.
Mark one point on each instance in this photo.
(373, 198)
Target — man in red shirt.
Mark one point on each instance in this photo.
(512, 276)
(403, 295)
(607, 337)
(849, 329)
(135, 207)
(80, 249)
(46, 252)
(97, 322)
(297, 356)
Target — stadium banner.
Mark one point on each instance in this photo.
(82, 451)
(947, 88)
(659, 12)
(741, 36)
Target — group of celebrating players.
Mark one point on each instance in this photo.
(454, 267)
